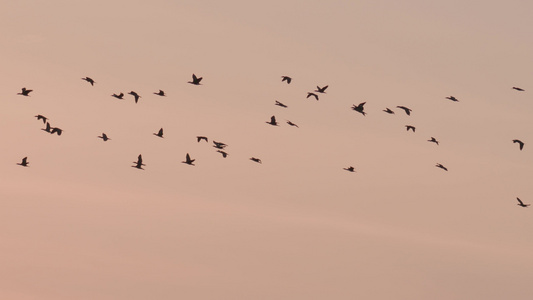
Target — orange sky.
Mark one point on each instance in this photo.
(80, 223)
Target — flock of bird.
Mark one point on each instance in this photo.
(360, 108)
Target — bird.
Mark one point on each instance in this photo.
(520, 143)
(441, 166)
(159, 133)
(134, 94)
(388, 110)
(24, 162)
(520, 203)
(188, 160)
(359, 108)
(272, 121)
(119, 96)
(48, 128)
(199, 138)
(59, 131)
(518, 89)
(321, 90)
(407, 110)
(104, 137)
(25, 92)
(139, 162)
(89, 80)
(410, 127)
(433, 140)
(257, 160)
(350, 169)
(224, 154)
(160, 93)
(41, 117)
(286, 78)
(309, 94)
(195, 80)
(280, 104)
(452, 98)
(219, 145)
(292, 124)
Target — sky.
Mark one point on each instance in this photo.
(80, 223)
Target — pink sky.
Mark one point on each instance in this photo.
(80, 223)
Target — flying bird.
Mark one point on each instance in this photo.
(104, 137)
(139, 163)
(89, 80)
(134, 94)
(286, 78)
(41, 117)
(199, 138)
(292, 124)
(520, 203)
(518, 89)
(309, 94)
(519, 143)
(359, 108)
(388, 110)
(407, 110)
(272, 121)
(160, 93)
(280, 104)
(159, 133)
(224, 154)
(24, 162)
(321, 90)
(410, 127)
(59, 131)
(350, 169)
(48, 128)
(25, 92)
(119, 96)
(195, 80)
(188, 160)
(441, 166)
(452, 98)
(219, 145)
(433, 140)
(257, 160)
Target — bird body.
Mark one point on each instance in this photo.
(188, 160)
(441, 166)
(452, 98)
(280, 104)
(272, 121)
(195, 80)
(519, 143)
(89, 80)
(159, 133)
(104, 137)
(160, 93)
(388, 110)
(359, 108)
(199, 138)
(286, 78)
(321, 90)
(59, 131)
(25, 92)
(350, 169)
(224, 154)
(24, 162)
(41, 117)
(219, 145)
(257, 160)
(407, 110)
(410, 127)
(518, 89)
(119, 96)
(134, 94)
(48, 128)
(309, 94)
(520, 203)
(292, 124)
(139, 163)
(433, 140)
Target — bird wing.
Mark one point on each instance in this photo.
(522, 203)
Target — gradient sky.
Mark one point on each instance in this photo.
(80, 223)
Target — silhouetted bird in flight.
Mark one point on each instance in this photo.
(219, 145)
(24, 162)
(159, 133)
(104, 137)
(519, 143)
(89, 80)
(359, 108)
(119, 96)
(48, 128)
(59, 131)
(25, 92)
(134, 94)
(224, 154)
(520, 203)
(41, 117)
(350, 169)
(272, 121)
(195, 80)
(286, 78)
(518, 89)
(188, 160)
(321, 90)
(410, 127)
(199, 138)
(433, 140)
(160, 93)
(280, 104)
(309, 94)
(292, 124)
(441, 166)
(452, 98)
(139, 163)
(407, 110)
(388, 110)
(257, 160)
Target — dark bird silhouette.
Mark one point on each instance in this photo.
(272, 121)
(89, 80)
(518, 89)
(195, 80)
(257, 160)
(407, 110)
(188, 160)
(224, 154)
(433, 140)
(388, 110)
(520, 203)
(25, 92)
(134, 94)
(199, 138)
(410, 127)
(286, 78)
(441, 166)
(292, 124)
(48, 128)
(321, 90)
(119, 96)
(24, 162)
(452, 98)
(159, 133)
(160, 93)
(104, 137)
(350, 169)
(139, 162)
(280, 104)
(59, 131)
(41, 117)
(519, 143)
(309, 94)
(219, 145)
(359, 108)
